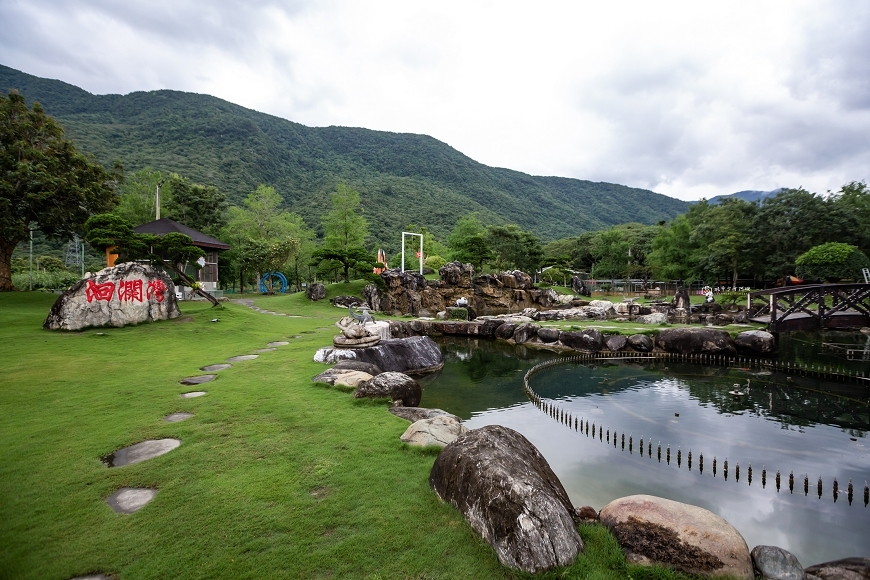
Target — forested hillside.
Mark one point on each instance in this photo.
(402, 178)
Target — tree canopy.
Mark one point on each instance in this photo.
(832, 262)
(44, 180)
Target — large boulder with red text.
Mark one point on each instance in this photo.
(510, 496)
(128, 293)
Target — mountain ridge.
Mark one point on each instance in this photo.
(403, 178)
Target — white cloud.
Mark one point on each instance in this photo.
(687, 99)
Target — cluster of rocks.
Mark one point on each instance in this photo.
(410, 293)
(510, 496)
(524, 330)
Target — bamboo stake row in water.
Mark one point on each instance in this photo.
(583, 426)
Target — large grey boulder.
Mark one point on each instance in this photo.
(414, 414)
(510, 496)
(773, 563)
(653, 318)
(845, 569)
(128, 293)
(372, 297)
(755, 342)
(589, 339)
(616, 342)
(506, 331)
(525, 332)
(392, 386)
(412, 355)
(640, 342)
(695, 341)
(342, 377)
(653, 530)
(434, 432)
(548, 334)
(315, 292)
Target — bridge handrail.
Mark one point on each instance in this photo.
(803, 288)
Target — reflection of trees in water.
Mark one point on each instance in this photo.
(795, 402)
(481, 358)
(495, 369)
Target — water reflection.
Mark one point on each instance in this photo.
(791, 424)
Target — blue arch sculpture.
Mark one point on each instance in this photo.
(279, 282)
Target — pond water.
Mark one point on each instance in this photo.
(801, 425)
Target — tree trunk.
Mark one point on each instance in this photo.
(184, 277)
(6, 249)
(346, 273)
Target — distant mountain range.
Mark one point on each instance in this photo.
(747, 195)
(402, 178)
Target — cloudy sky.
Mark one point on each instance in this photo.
(690, 99)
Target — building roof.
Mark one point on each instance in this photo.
(165, 226)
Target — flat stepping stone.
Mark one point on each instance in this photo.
(193, 394)
(278, 343)
(139, 452)
(128, 499)
(92, 577)
(198, 380)
(265, 350)
(242, 357)
(176, 417)
(215, 368)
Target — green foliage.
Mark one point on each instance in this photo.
(137, 202)
(201, 207)
(45, 180)
(45, 280)
(832, 262)
(732, 297)
(514, 248)
(403, 178)
(344, 235)
(457, 313)
(434, 262)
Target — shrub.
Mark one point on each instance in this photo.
(434, 262)
(832, 262)
(45, 280)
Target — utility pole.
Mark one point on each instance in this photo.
(31, 257)
(159, 183)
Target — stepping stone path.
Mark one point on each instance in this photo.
(176, 417)
(128, 500)
(92, 577)
(215, 368)
(140, 452)
(198, 380)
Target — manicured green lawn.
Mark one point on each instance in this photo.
(276, 477)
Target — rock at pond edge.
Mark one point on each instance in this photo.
(510, 496)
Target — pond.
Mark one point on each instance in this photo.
(813, 428)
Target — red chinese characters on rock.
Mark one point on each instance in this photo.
(130, 290)
(99, 291)
(156, 288)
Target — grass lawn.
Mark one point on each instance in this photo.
(276, 477)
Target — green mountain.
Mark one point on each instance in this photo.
(402, 178)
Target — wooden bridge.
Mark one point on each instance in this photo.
(812, 307)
